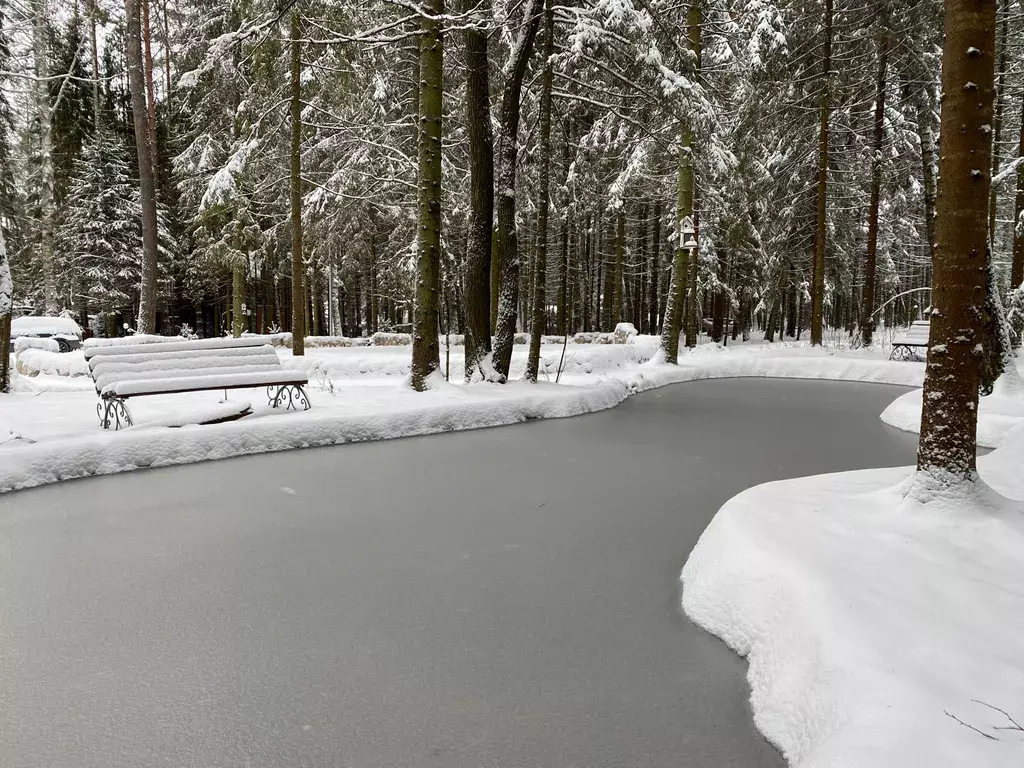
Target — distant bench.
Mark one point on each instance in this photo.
(162, 368)
(914, 340)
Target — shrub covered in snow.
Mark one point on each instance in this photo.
(624, 333)
(381, 339)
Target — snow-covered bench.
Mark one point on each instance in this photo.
(134, 370)
(915, 339)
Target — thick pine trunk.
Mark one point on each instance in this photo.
(481, 192)
(867, 320)
(539, 313)
(507, 241)
(425, 348)
(947, 448)
(818, 281)
(295, 168)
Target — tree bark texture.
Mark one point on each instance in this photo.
(295, 176)
(818, 282)
(673, 322)
(145, 151)
(425, 348)
(477, 294)
(1017, 270)
(507, 241)
(540, 299)
(947, 448)
(867, 320)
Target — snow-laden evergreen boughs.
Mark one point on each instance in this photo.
(100, 234)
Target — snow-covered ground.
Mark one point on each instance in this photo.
(880, 631)
(49, 429)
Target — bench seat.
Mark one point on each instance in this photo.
(123, 371)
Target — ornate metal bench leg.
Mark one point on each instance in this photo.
(291, 396)
(113, 411)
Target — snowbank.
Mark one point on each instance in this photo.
(33, 362)
(360, 394)
(998, 416)
(36, 342)
(444, 409)
(871, 621)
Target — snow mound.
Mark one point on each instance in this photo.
(870, 620)
(998, 416)
(33, 362)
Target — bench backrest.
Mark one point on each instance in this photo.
(917, 333)
(179, 360)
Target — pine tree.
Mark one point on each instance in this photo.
(948, 447)
(100, 237)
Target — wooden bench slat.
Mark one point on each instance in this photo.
(201, 383)
(173, 346)
(106, 379)
(184, 354)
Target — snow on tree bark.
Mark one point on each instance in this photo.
(1017, 269)
(425, 348)
(678, 282)
(44, 118)
(867, 318)
(821, 232)
(295, 187)
(147, 180)
(6, 311)
(540, 300)
(481, 195)
(947, 447)
(508, 145)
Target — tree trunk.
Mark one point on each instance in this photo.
(6, 311)
(693, 318)
(237, 294)
(818, 281)
(997, 118)
(684, 213)
(94, 51)
(147, 51)
(867, 320)
(540, 312)
(46, 172)
(925, 119)
(540, 300)
(1017, 270)
(145, 150)
(947, 448)
(616, 271)
(508, 251)
(653, 297)
(295, 176)
(425, 350)
(481, 193)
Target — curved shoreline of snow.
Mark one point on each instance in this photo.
(869, 620)
(998, 416)
(450, 408)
